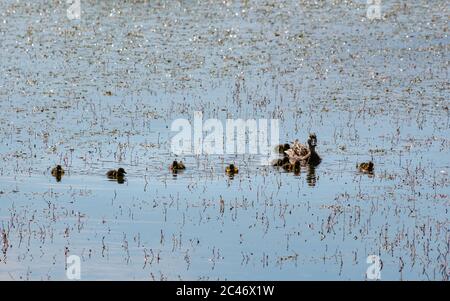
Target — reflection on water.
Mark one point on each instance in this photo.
(176, 172)
(311, 175)
(119, 180)
(230, 176)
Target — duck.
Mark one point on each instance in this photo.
(304, 154)
(366, 167)
(280, 162)
(281, 148)
(118, 174)
(231, 169)
(175, 166)
(296, 168)
(58, 172)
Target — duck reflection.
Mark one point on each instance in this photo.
(311, 175)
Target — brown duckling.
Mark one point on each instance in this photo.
(280, 162)
(58, 172)
(231, 169)
(176, 166)
(281, 148)
(295, 167)
(118, 174)
(366, 167)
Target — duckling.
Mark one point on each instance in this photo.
(175, 166)
(116, 174)
(58, 172)
(365, 167)
(281, 148)
(280, 162)
(231, 169)
(295, 167)
(287, 166)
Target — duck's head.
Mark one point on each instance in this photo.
(370, 165)
(121, 171)
(286, 146)
(58, 167)
(231, 166)
(312, 140)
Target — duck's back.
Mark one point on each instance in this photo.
(297, 150)
(111, 174)
(56, 171)
(315, 159)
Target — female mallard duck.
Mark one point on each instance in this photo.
(175, 166)
(116, 174)
(231, 169)
(366, 167)
(58, 172)
(303, 153)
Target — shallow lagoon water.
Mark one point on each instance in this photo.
(102, 92)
